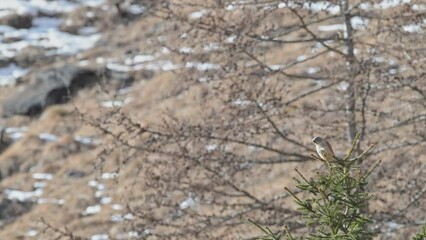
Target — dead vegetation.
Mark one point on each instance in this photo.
(238, 92)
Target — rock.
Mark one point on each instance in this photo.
(4, 61)
(145, 74)
(11, 39)
(5, 141)
(49, 86)
(11, 209)
(17, 21)
(123, 78)
(31, 55)
(84, 18)
(73, 173)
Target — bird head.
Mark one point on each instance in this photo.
(317, 140)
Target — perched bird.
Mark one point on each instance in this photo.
(324, 149)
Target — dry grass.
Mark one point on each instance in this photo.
(168, 95)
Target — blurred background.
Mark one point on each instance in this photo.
(180, 119)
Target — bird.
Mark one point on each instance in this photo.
(324, 149)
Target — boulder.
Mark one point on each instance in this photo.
(17, 20)
(11, 209)
(50, 86)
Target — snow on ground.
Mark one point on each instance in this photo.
(43, 33)
(109, 175)
(148, 63)
(22, 196)
(276, 67)
(47, 137)
(16, 133)
(313, 70)
(9, 74)
(25, 196)
(87, 140)
(42, 176)
(198, 14)
(136, 9)
(115, 103)
(189, 202)
(32, 233)
(90, 210)
(100, 237)
(415, 27)
(357, 23)
(312, 6)
(35, 7)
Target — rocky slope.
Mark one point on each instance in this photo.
(69, 68)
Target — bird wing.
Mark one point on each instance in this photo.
(329, 146)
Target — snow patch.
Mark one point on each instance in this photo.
(418, 7)
(231, 39)
(412, 28)
(384, 4)
(332, 28)
(201, 66)
(116, 218)
(343, 86)
(230, 7)
(42, 176)
(115, 103)
(96, 184)
(185, 50)
(99, 237)
(9, 74)
(391, 3)
(107, 175)
(87, 140)
(189, 202)
(120, 218)
(39, 184)
(22, 196)
(45, 34)
(32, 233)
(51, 201)
(301, 58)
(313, 6)
(87, 31)
(116, 207)
(139, 59)
(16, 133)
(105, 200)
(393, 225)
(128, 235)
(357, 23)
(136, 9)
(90, 210)
(211, 46)
(48, 137)
(116, 67)
(276, 67)
(34, 7)
(198, 14)
(211, 147)
(241, 102)
(313, 70)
